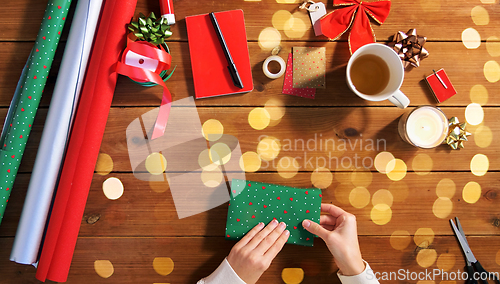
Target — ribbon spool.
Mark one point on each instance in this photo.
(131, 58)
(266, 65)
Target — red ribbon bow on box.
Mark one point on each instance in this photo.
(354, 16)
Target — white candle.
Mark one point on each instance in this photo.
(424, 127)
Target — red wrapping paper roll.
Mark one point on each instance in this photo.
(85, 141)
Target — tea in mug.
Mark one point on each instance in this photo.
(370, 74)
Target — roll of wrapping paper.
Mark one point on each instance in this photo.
(24, 105)
(55, 132)
(85, 141)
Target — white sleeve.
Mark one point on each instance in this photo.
(365, 277)
(224, 274)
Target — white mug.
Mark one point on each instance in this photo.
(396, 74)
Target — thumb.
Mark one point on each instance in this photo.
(315, 228)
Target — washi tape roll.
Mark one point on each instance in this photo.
(266, 69)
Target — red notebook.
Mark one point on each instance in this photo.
(210, 74)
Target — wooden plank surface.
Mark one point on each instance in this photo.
(147, 209)
(331, 132)
(464, 67)
(196, 257)
(442, 20)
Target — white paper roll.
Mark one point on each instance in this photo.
(266, 69)
(56, 132)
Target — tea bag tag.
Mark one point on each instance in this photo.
(316, 11)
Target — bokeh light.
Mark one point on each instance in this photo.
(422, 164)
(483, 136)
(423, 237)
(205, 162)
(381, 214)
(104, 268)
(359, 197)
(471, 38)
(430, 5)
(446, 188)
(280, 17)
(250, 162)
(212, 130)
(275, 108)
(220, 153)
(480, 16)
(479, 165)
(269, 38)
(342, 192)
(104, 164)
(399, 191)
(446, 261)
(382, 196)
(479, 94)
(321, 178)
(288, 167)
(163, 265)
(471, 192)
(491, 71)
(259, 118)
(398, 171)
(474, 114)
(156, 163)
(297, 25)
(442, 207)
(158, 186)
(292, 275)
(112, 188)
(426, 257)
(493, 46)
(269, 148)
(382, 160)
(400, 239)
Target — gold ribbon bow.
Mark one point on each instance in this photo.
(456, 133)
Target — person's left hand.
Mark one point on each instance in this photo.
(253, 254)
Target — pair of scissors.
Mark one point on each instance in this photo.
(475, 270)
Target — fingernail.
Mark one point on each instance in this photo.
(274, 222)
(283, 225)
(260, 225)
(287, 232)
(306, 223)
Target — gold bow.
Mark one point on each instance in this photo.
(456, 133)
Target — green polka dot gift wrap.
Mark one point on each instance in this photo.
(252, 202)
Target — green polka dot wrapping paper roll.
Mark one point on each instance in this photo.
(253, 202)
(27, 96)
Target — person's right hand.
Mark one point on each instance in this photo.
(338, 230)
(253, 254)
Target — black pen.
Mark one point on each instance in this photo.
(232, 67)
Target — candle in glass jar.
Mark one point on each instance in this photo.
(425, 127)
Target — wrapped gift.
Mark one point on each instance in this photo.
(253, 202)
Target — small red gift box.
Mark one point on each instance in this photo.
(440, 85)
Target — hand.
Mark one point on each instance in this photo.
(338, 230)
(253, 254)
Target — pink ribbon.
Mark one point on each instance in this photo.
(143, 75)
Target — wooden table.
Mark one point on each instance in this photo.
(142, 225)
